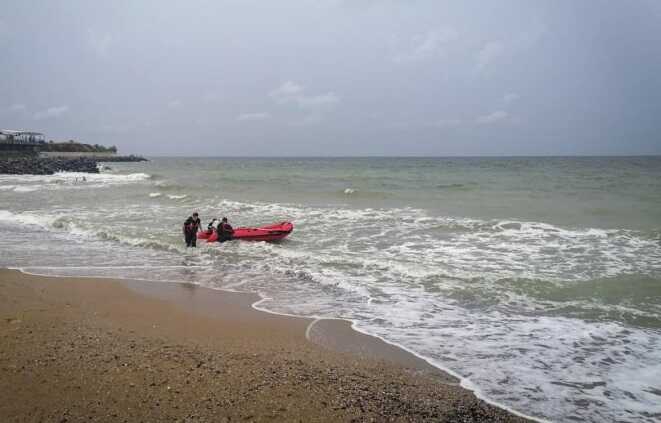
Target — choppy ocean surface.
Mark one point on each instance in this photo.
(537, 280)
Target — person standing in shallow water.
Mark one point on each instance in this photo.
(191, 226)
(225, 231)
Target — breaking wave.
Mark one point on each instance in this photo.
(67, 180)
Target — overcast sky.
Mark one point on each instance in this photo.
(336, 77)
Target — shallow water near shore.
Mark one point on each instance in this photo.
(537, 280)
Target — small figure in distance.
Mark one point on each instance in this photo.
(225, 231)
(191, 226)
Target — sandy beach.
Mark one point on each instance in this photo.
(84, 349)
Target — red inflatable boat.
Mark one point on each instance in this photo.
(273, 232)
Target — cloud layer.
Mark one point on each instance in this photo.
(51, 112)
(315, 78)
(252, 117)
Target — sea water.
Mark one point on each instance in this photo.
(535, 280)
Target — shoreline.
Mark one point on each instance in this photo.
(369, 345)
(190, 316)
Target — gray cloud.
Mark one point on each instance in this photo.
(318, 101)
(4, 29)
(174, 104)
(287, 92)
(51, 112)
(253, 116)
(489, 53)
(448, 123)
(369, 77)
(14, 109)
(100, 44)
(424, 46)
(494, 117)
(314, 108)
(510, 98)
(291, 92)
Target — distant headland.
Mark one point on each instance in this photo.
(27, 152)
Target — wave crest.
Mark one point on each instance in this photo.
(67, 180)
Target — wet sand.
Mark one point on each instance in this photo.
(86, 349)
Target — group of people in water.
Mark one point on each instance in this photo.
(193, 224)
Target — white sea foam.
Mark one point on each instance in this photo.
(24, 188)
(28, 219)
(177, 196)
(494, 250)
(67, 180)
(103, 177)
(88, 230)
(371, 278)
(155, 194)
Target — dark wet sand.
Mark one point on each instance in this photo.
(85, 349)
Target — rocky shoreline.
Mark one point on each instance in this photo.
(28, 165)
(131, 158)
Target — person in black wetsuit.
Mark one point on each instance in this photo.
(213, 225)
(225, 231)
(191, 226)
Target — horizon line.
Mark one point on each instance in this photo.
(402, 156)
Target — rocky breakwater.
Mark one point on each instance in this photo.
(46, 166)
(131, 158)
(35, 165)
